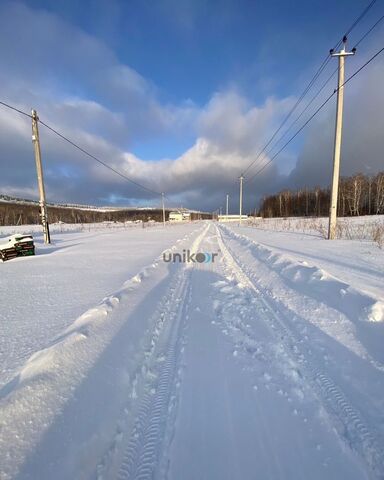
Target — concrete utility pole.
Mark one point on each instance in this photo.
(40, 178)
(241, 196)
(162, 201)
(226, 210)
(338, 132)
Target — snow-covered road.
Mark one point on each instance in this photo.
(253, 366)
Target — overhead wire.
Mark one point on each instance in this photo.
(369, 31)
(298, 117)
(291, 111)
(315, 113)
(85, 152)
(360, 17)
(101, 162)
(310, 85)
(15, 109)
(320, 90)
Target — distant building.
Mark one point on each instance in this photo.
(179, 216)
(231, 218)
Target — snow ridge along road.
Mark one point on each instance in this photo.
(347, 419)
(225, 370)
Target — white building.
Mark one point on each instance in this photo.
(179, 216)
(231, 218)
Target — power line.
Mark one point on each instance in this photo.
(369, 31)
(322, 87)
(300, 115)
(315, 113)
(287, 117)
(310, 84)
(15, 109)
(359, 18)
(308, 105)
(63, 137)
(83, 150)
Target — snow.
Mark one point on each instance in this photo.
(234, 421)
(267, 363)
(46, 293)
(358, 262)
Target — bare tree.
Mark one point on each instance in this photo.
(358, 195)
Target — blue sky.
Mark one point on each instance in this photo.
(171, 86)
(191, 48)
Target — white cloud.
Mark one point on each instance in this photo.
(228, 128)
(231, 121)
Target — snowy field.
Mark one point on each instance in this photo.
(349, 228)
(266, 364)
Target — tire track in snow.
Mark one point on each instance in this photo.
(142, 454)
(353, 428)
(147, 447)
(357, 306)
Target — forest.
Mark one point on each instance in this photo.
(358, 195)
(16, 213)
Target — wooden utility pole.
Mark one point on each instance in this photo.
(40, 177)
(162, 201)
(337, 146)
(241, 197)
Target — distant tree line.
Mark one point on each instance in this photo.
(29, 214)
(358, 195)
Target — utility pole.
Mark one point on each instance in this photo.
(226, 210)
(241, 196)
(40, 178)
(162, 201)
(337, 145)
